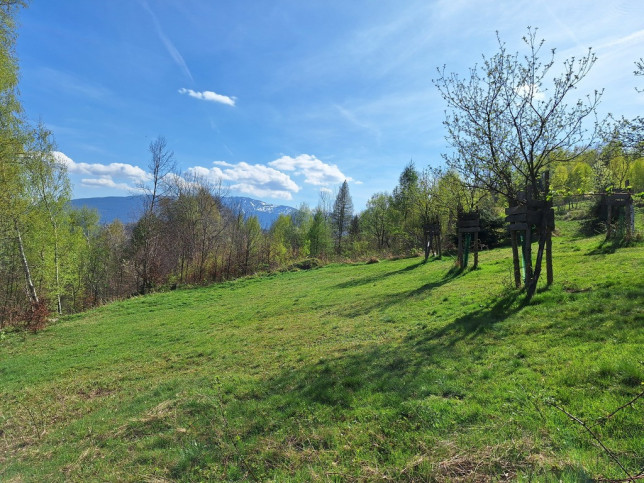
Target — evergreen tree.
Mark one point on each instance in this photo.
(341, 216)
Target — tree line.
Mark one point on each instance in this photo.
(507, 123)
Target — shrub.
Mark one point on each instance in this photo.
(37, 316)
(306, 264)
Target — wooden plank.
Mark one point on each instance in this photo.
(534, 217)
(550, 219)
(619, 203)
(468, 223)
(518, 226)
(537, 204)
(518, 218)
(513, 210)
(471, 229)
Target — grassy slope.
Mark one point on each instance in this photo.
(398, 370)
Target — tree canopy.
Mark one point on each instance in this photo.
(511, 113)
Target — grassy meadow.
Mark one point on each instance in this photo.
(397, 371)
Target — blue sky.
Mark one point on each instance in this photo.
(283, 99)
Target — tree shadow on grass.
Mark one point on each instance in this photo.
(479, 321)
(610, 246)
(399, 370)
(376, 278)
(386, 301)
(406, 384)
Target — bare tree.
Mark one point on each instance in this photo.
(507, 118)
(145, 236)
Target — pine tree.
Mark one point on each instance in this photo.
(341, 216)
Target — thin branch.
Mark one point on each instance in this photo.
(630, 403)
(595, 437)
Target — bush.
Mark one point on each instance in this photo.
(37, 316)
(306, 264)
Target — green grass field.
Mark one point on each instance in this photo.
(399, 371)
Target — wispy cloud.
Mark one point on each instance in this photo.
(351, 117)
(315, 172)
(172, 50)
(64, 81)
(635, 38)
(209, 96)
(253, 179)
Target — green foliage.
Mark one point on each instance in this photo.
(319, 235)
(636, 175)
(580, 179)
(378, 221)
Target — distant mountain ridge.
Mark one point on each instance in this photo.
(128, 209)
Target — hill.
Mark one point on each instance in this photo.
(399, 371)
(128, 208)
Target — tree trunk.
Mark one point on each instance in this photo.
(30, 284)
(59, 305)
(531, 287)
(427, 245)
(515, 259)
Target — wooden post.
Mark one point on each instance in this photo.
(515, 258)
(476, 249)
(460, 250)
(609, 209)
(528, 254)
(549, 274)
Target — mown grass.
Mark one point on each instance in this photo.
(398, 370)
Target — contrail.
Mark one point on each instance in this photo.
(172, 50)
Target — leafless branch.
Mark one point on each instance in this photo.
(596, 437)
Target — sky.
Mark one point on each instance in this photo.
(282, 100)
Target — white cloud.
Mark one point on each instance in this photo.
(326, 190)
(105, 183)
(209, 96)
(530, 90)
(315, 172)
(253, 179)
(116, 170)
(127, 176)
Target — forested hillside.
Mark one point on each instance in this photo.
(399, 370)
(127, 209)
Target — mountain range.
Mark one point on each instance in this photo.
(127, 209)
